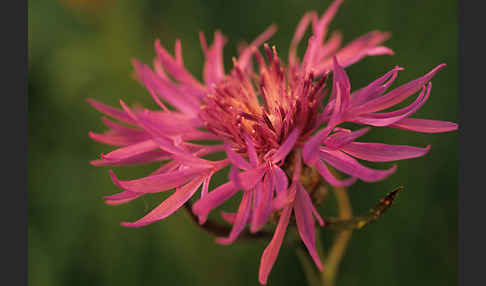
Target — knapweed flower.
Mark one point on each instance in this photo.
(270, 122)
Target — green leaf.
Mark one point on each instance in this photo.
(359, 222)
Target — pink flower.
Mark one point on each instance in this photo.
(269, 124)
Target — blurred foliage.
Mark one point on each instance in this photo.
(80, 49)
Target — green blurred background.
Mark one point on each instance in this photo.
(82, 48)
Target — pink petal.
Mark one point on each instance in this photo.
(233, 176)
(114, 138)
(305, 223)
(205, 187)
(163, 143)
(122, 197)
(170, 205)
(131, 150)
(297, 168)
(168, 91)
(263, 209)
(377, 152)
(329, 177)
(228, 217)
(213, 199)
(160, 182)
(338, 139)
(350, 166)
(365, 45)
(280, 179)
(271, 251)
(342, 78)
(280, 201)
(213, 68)
(251, 151)
(374, 89)
(222, 193)
(330, 46)
(387, 118)
(425, 125)
(111, 111)
(338, 95)
(317, 215)
(246, 54)
(175, 68)
(236, 159)
(119, 135)
(299, 33)
(311, 147)
(182, 155)
(143, 158)
(286, 146)
(241, 219)
(398, 94)
(320, 30)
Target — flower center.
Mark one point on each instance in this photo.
(266, 106)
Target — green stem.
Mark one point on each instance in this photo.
(341, 240)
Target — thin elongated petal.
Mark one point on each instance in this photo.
(330, 178)
(205, 187)
(228, 217)
(121, 198)
(263, 209)
(348, 165)
(148, 125)
(132, 150)
(182, 155)
(111, 111)
(286, 146)
(233, 176)
(342, 77)
(111, 138)
(387, 118)
(374, 89)
(299, 33)
(320, 30)
(143, 158)
(236, 159)
(366, 45)
(318, 217)
(281, 180)
(163, 143)
(339, 139)
(305, 223)
(251, 151)
(377, 152)
(397, 95)
(311, 147)
(160, 182)
(119, 135)
(175, 68)
(222, 193)
(425, 125)
(170, 205)
(213, 68)
(213, 199)
(271, 251)
(168, 91)
(331, 46)
(240, 220)
(244, 59)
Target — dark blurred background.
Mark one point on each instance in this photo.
(82, 48)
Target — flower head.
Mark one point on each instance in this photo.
(270, 123)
